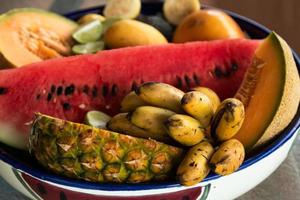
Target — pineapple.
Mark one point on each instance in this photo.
(84, 152)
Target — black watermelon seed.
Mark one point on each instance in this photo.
(3, 90)
(49, 96)
(234, 66)
(38, 96)
(179, 82)
(104, 90)
(62, 196)
(53, 88)
(66, 106)
(70, 89)
(95, 91)
(227, 73)
(86, 89)
(41, 189)
(196, 79)
(114, 90)
(187, 80)
(218, 72)
(134, 86)
(59, 90)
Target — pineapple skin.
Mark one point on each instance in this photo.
(84, 152)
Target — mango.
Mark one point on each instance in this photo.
(127, 32)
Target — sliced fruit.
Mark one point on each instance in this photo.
(176, 10)
(125, 33)
(270, 92)
(207, 25)
(83, 152)
(79, 84)
(90, 47)
(125, 9)
(89, 32)
(97, 119)
(30, 35)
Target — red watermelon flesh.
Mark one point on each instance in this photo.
(69, 87)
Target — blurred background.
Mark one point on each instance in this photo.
(282, 16)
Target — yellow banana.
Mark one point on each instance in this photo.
(161, 95)
(120, 123)
(151, 119)
(131, 101)
(185, 129)
(199, 106)
(228, 158)
(194, 167)
(215, 100)
(228, 119)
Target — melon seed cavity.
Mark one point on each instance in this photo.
(43, 43)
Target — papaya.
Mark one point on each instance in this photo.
(30, 35)
(270, 93)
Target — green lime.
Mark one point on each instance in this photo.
(89, 32)
(90, 47)
(108, 22)
(97, 119)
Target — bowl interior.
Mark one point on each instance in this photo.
(21, 160)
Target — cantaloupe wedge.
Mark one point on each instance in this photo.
(270, 92)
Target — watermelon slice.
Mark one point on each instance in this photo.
(67, 88)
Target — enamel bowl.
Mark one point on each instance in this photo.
(21, 171)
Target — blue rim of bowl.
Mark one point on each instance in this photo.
(286, 135)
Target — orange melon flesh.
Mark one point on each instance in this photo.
(270, 92)
(11, 47)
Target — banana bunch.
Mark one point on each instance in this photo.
(196, 119)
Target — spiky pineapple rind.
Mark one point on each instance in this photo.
(81, 151)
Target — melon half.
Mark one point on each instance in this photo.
(270, 92)
(31, 35)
